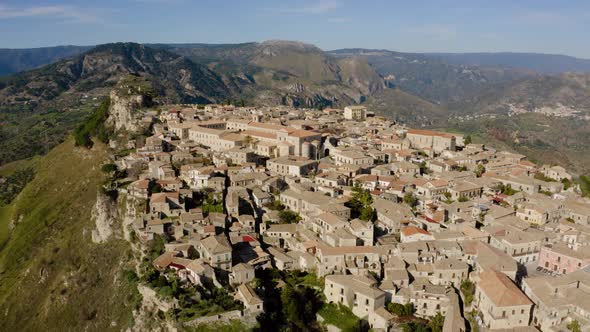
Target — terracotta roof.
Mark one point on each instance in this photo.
(232, 137)
(348, 250)
(270, 126)
(303, 133)
(429, 133)
(411, 230)
(256, 133)
(161, 197)
(141, 184)
(501, 290)
(209, 229)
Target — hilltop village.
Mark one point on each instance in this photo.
(390, 224)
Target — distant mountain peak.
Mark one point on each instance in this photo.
(290, 45)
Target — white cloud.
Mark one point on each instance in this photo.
(62, 12)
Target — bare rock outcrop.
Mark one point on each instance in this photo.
(104, 214)
(124, 113)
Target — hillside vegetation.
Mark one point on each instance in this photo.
(569, 90)
(39, 108)
(16, 60)
(288, 72)
(430, 78)
(54, 278)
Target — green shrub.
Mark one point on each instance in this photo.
(14, 184)
(94, 126)
(468, 290)
(109, 168)
(289, 217)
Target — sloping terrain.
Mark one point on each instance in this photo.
(543, 139)
(54, 278)
(39, 107)
(287, 72)
(17, 60)
(406, 108)
(102, 66)
(541, 63)
(545, 118)
(430, 78)
(568, 90)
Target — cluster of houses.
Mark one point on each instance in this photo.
(216, 180)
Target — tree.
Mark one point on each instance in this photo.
(480, 170)
(109, 168)
(409, 309)
(275, 205)
(300, 306)
(463, 199)
(467, 140)
(423, 168)
(447, 195)
(468, 290)
(289, 217)
(396, 308)
(193, 253)
(414, 327)
(566, 184)
(13, 184)
(94, 126)
(436, 323)
(248, 140)
(584, 182)
(367, 214)
(574, 326)
(401, 310)
(360, 204)
(505, 189)
(410, 199)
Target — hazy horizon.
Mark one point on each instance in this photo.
(424, 27)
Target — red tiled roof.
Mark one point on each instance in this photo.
(411, 230)
(247, 238)
(429, 133)
(303, 133)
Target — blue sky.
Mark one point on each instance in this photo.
(557, 26)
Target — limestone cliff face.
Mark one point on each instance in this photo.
(125, 112)
(105, 215)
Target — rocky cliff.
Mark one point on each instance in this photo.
(129, 100)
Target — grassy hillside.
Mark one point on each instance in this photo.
(430, 78)
(406, 108)
(287, 72)
(53, 276)
(15, 60)
(570, 90)
(557, 141)
(38, 108)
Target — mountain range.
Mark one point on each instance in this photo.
(50, 265)
(38, 107)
